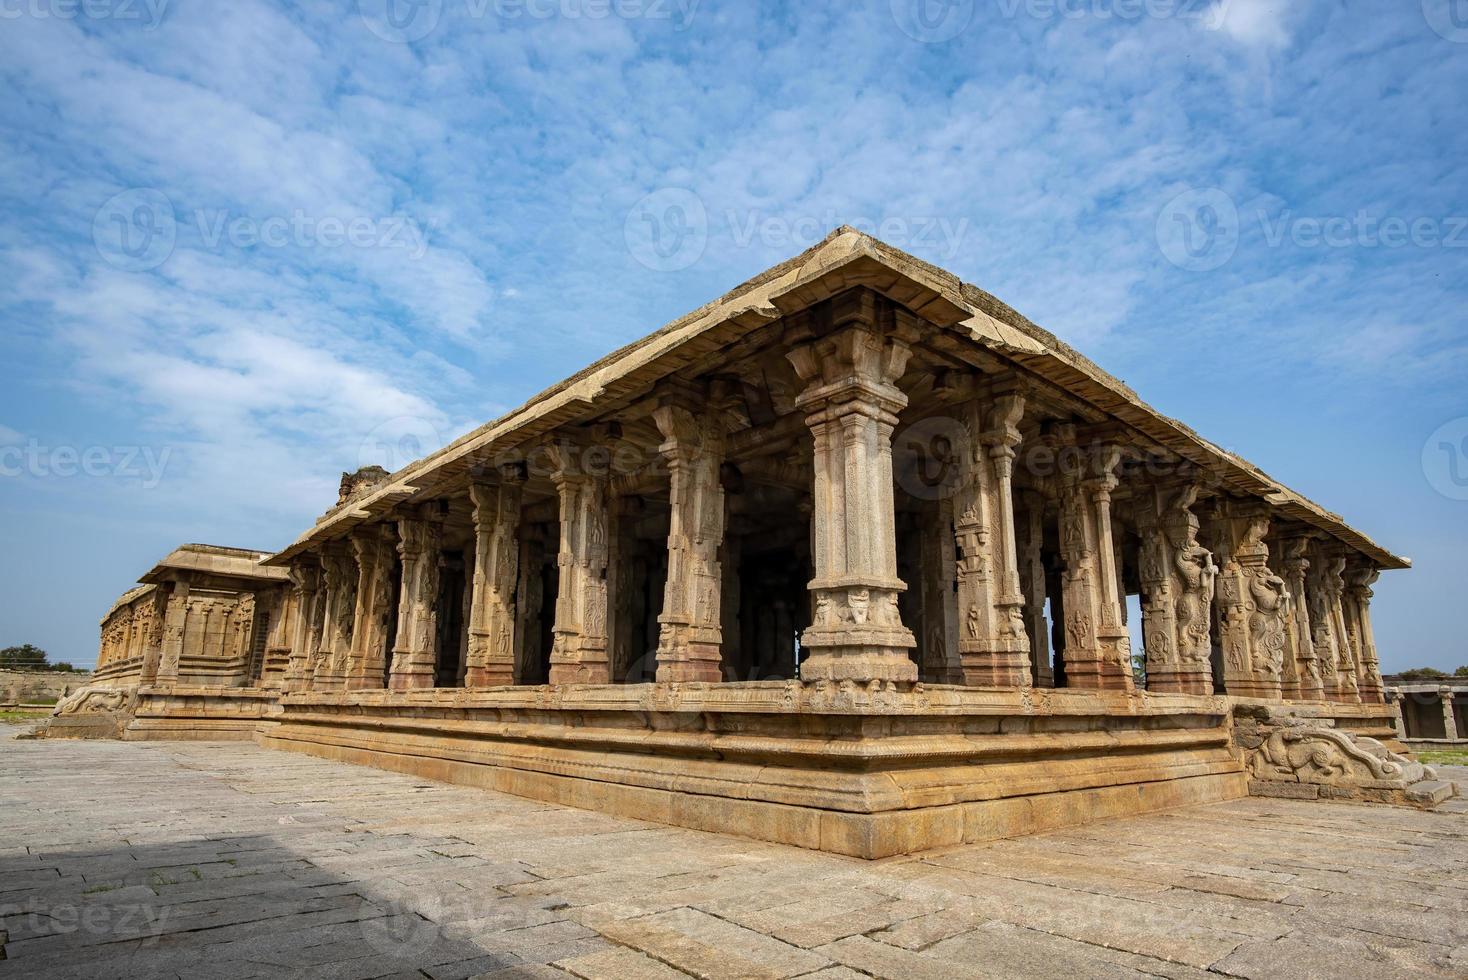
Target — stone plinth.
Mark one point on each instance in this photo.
(869, 771)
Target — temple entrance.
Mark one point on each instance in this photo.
(453, 629)
(638, 573)
(766, 569)
(395, 581)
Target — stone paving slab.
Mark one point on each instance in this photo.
(224, 860)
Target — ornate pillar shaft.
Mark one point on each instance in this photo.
(1450, 723)
(851, 402)
(1360, 577)
(1327, 619)
(993, 645)
(175, 630)
(491, 655)
(306, 578)
(367, 664)
(339, 573)
(1308, 676)
(1097, 648)
(1178, 577)
(579, 653)
(1251, 604)
(415, 653)
(691, 633)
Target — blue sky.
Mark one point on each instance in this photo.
(247, 246)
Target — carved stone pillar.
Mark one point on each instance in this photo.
(1251, 604)
(579, 653)
(1359, 579)
(690, 632)
(1029, 542)
(415, 653)
(1097, 646)
(339, 577)
(491, 655)
(281, 610)
(851, 402)
(1450, 722)
(374, 547)
(306, 578)
(175, 627)
(1178, 577)
(993, 644)
(1327, 622)
(1307, 676)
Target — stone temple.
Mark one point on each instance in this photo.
(841, 559)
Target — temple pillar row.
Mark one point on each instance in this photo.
(851, 401)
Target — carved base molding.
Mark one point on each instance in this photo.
(867, 769)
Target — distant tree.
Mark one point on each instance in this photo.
(1461, 671)
(24, 657)
(1421, 674)
(63, 668)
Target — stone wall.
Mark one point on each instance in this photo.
(39, 686)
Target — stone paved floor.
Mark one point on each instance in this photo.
(226, 860)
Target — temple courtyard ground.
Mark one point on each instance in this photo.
(227, 860)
